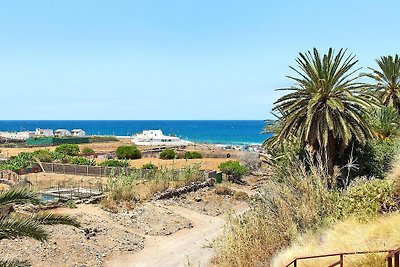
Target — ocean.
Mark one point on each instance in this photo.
(202, 131)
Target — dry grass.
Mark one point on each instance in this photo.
(350, 235)
(277, 217)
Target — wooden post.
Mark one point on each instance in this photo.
(341, 260)
(396, 259)
(390, 262)
(295, 263)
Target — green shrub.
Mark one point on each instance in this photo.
(149, 166)
(82, 161)
(43, 155)
(114, 163)
(20, 161)
(374, 159)
(168, 154)
(193, 155)
(70, 204)
(68, 149)
(88, 151)
(102, 138)
(234, 168)
(364, 199)
(128, 152)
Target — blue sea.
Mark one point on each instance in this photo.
(202, 131)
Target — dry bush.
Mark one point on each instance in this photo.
(251, 160)
(394, 175)
(350, 235)
(278, 215)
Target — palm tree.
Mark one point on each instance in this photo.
(325, 108)
(387, 80)
(14, 225)
(384, 122)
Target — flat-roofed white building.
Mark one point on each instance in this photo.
(157, 138)
(78, 133)
(62, 133)
(17, 135)
(44, 132)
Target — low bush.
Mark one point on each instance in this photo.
(88, 151)
(128, 152)
(364, 199)
(20, 161)
(114, 163)
(82, 161)
(102, 138)
(193, 155)
(149, 166)
(233, 168)
(43, 155)
(68, 149)
(168, 154)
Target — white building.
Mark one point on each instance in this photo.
(44, 132)
(62, 133)
(78, 132)
(157, 138)
(17, 135)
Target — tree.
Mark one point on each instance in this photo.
(168, 153)
(384, 122)
(326, 106)
(14, 225)
(128, 152)
(68, 149)
(387, 79)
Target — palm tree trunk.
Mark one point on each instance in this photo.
(330, 153)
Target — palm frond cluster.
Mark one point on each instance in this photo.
(328, 107)
(17, 225)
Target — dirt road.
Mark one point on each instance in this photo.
(187, 247)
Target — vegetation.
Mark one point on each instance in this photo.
(168, 153)
(114, 163)
(325, 109)
(18, 162)
(387, 80)
(15, 225)
(82, 161)
(125, 190)
(193, 155)
(68, 149)
(149, 166)
(384, 122)
(233, 168)
(128, 152)
(43, 155)
(88, 151)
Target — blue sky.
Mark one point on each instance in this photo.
(209, 59)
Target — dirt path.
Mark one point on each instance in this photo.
(187, 247)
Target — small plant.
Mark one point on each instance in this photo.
(168, 153)
(128, 152)
(70, 204)
(114, 163)
(233, 168)
(88, 151)
(82, 161)
(43, 155)
(193, 155)
(149, 166)
(68, 149)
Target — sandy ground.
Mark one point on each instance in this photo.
(205, 164)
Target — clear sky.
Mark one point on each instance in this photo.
(208, 59)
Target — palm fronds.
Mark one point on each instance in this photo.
(14, 226)
(14, 263)
(18, 195)
(51, 219)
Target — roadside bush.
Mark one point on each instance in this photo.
(43, 155)
(68, 149)
(168, 154)
(149, 166)
(364, 199)
(128, 152)
(193, 155)
(115, 163)
(82, 161)
(88, 151)
(233, 168)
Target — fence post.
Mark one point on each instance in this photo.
(52, 167)
(390, 262)
(295, 263)
(396, 259)
(341, 260)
